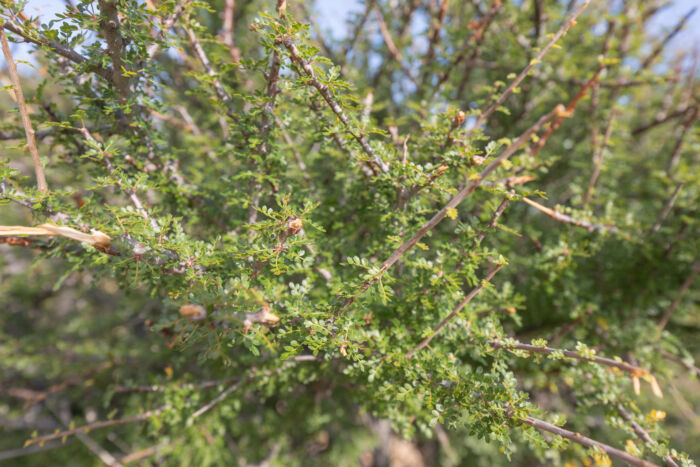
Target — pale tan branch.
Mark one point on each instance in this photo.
(24, 113)
(590, 226)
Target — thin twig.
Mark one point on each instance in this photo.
(217, 399)
(154, 48)
(360, 137)
(659, 48)
(673, 160)
(684, 288)
(598, 159)
(494, 218)
(474, 292)
(94, 426)
(391, 46)
(24, 112)
(507, 92)
(588, 442)
(667, 209)
(642, 434)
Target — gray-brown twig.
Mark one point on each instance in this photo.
(588, 442)
(474, 292)
(684, 288)
(642, 433)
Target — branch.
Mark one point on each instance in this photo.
(684, 288)
(129, 191)
(667, 208)
(690, 119)
(588, 442)
(494, 218)
(474, 292)
(361, 138)
(227, 392)
(598, 159)
(642, 434)
(153, 49)
(24, 112)
(454, 202)
(590, 226)
(659, 48)
(110, 28)
(507, 92)
(204, 60)
(94, 426)
(633, 370)
(391, 46)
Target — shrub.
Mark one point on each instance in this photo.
(235, 238)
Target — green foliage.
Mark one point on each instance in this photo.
(255, 190)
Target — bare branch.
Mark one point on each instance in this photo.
(391, 46)
(227, 392)
(24, 112)
(598, 159)
(660, 47)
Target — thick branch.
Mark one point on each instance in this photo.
(111, 31)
